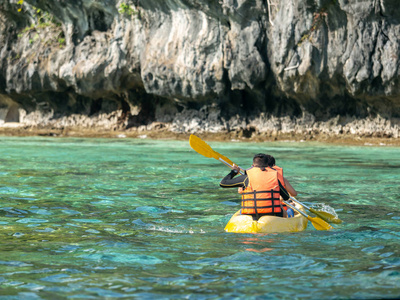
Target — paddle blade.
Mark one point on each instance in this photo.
(319, 224)
(201, 147)
(326, 216)
(204, 149)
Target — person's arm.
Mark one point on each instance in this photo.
(231, 181)
(289, 188)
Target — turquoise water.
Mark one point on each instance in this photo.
(144, 219)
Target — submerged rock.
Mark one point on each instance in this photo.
(254, 67)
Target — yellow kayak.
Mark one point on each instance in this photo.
(266, 224)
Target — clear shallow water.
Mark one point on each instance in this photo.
(123, 218)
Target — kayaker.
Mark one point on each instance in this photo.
(260, 183)
(286, 184)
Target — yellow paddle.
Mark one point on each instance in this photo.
(322, 214)
(204, 149)
(318, 223)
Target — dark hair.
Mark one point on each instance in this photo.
(263, 160)
(271, 161)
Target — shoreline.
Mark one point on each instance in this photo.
(344, 139)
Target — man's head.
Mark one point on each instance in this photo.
(262, 160)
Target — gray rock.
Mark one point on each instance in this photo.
(328, 66)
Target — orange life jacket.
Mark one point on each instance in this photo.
(280, 174)
(262, 195)
(280, 177)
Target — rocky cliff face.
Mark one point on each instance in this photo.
(254, 66)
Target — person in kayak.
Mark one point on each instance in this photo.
(261, 187)
(288, 187)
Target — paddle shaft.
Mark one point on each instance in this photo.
(230, 166)
(295, 200)
(299, 211)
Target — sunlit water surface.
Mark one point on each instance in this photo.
(144, 219)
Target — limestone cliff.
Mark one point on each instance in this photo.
(260, 66)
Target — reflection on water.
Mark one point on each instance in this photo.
(90, 218)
